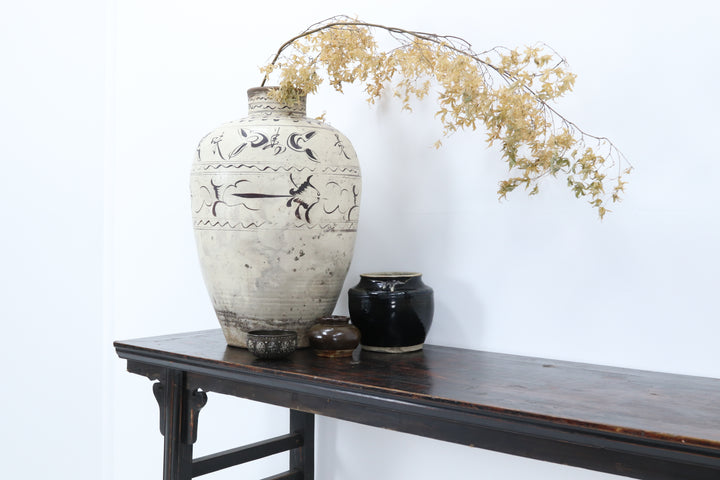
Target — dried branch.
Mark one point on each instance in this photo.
(536, 140)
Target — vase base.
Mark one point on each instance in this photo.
(410, 348)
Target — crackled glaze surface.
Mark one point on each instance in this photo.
(275, 199)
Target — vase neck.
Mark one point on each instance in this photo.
(260, 102)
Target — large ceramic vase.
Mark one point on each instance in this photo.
(275, 200)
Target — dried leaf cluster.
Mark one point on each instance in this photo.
(506, 92)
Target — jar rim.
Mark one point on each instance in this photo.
(334, 318)
(390, 274)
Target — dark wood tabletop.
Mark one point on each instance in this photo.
(554, 410)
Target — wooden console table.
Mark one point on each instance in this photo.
(634, 423)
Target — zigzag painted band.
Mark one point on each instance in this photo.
(352, 170)
(226, 225)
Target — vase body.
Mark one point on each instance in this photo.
(393, 311)
(275, 200)
(334, 336)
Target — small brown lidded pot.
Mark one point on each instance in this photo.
(334, 336)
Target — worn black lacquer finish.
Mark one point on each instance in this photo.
(634, 423)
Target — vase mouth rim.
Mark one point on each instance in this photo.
(253, 90)
(261, 101)
(390, 274)
(261, 89)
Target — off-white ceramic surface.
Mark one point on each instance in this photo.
(275, 200)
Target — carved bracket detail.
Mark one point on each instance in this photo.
(192, 402)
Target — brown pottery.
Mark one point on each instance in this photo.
(334, 336)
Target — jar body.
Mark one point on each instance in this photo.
(275, 199)
(393, 311)
(334, 336)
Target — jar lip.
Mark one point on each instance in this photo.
(333, 323)
(334, 319)
(390, 274)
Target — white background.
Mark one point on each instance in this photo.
(103, 103)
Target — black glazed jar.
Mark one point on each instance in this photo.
(393, 311)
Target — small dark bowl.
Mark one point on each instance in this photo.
(271, 344)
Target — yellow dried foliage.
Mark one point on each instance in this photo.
(505, 92)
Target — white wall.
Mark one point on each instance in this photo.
(52, 129)
(103, 105)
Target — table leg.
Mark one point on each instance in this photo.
(303, 458)
(179, 410)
